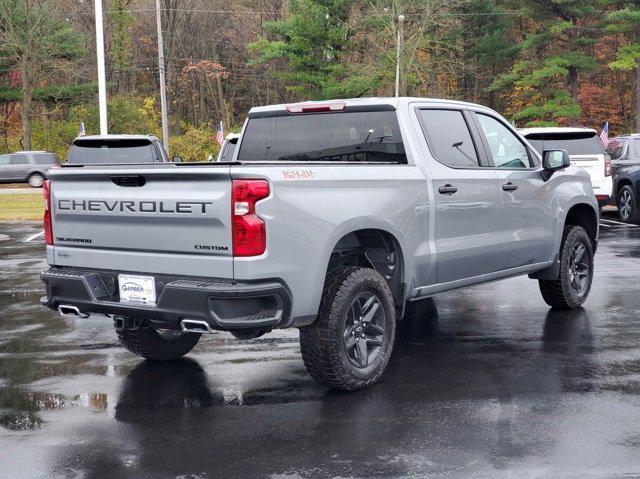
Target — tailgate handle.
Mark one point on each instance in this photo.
(129, 180)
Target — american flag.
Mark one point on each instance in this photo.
(81, 132)
(220, 134)
(604, 135)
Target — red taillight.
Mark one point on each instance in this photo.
(608, 168)
(316, 107)
(48, 229)
(249, 232)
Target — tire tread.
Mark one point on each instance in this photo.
(320, 342)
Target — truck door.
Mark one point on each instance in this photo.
(528, 217)
(466, 196)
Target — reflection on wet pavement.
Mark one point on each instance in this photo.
(484, 382)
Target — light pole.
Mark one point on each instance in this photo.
(102, 84)
(398, 52)
(163, 93)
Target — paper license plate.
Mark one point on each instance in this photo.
(137, 289)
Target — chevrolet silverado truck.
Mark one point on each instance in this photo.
(330, 217)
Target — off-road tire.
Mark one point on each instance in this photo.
(322, 343)
(558, 293)
(626, 195)
(36, 180)
(149, 344)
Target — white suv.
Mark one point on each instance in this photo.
(584, 148)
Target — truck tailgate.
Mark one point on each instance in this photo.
(159, 218)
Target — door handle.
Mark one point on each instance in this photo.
(509, 187)
(447, 189)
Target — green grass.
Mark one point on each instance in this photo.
(21, 207)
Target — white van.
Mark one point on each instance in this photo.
(584, 148)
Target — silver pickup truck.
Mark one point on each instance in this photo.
(330, 217)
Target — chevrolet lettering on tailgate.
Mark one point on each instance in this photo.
(178, 207)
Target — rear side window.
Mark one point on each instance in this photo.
(616, 148)
(449, 138)
(4, 159)
(371, 137)
(227, 150)
(636, 148)
(112, 151)
(586, 143)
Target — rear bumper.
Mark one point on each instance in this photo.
(223, 304)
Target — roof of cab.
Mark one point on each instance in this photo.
(554, 130)
(373, 101)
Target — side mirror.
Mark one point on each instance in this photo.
(554, 160)
(176, 159)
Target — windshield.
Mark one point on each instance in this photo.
(372, 136)
(586, 143)
(112, 151)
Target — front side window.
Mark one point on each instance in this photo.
(372, 136)
(506, 148)
(4, 159)
(449, 138)
(45, 159)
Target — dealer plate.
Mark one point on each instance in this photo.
(137, 289)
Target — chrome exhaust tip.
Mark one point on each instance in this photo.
(196, 326)
(68, 310)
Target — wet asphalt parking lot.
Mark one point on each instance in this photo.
(488, 382)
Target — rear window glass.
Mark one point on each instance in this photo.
(331, 137)
(575, 143)
(112, 151)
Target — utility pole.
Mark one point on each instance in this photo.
(399, 52)
(163, 93)
(102, 84)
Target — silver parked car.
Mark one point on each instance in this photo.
(26, 167)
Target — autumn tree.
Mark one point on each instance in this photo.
(35, 38)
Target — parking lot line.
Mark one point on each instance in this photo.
(32, 237)
(617, 223)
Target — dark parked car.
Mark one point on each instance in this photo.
(26, 167)
(625, 158)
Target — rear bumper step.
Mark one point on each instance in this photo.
(221, 304)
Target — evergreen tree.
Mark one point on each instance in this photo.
(551, 58)
(310, 41)
(34, 37)
(626, 20)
